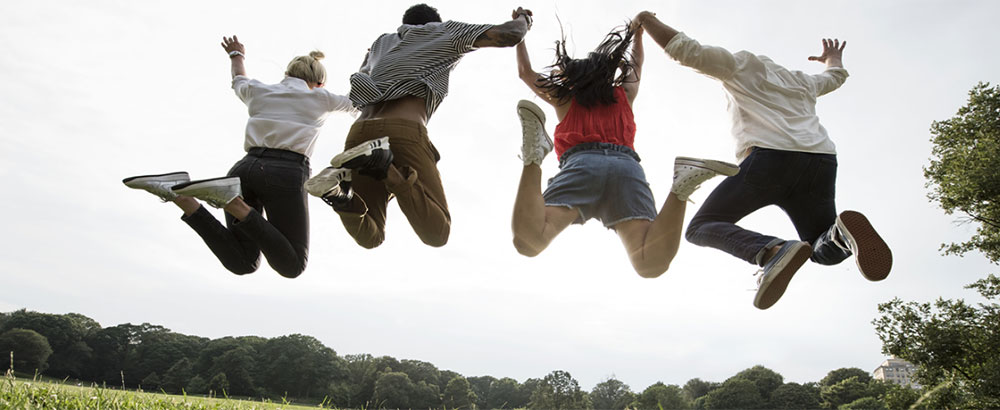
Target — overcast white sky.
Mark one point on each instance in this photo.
(96, 91)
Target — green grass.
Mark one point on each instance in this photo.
(30, 394)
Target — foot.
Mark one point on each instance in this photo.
(689, 173)
(158, 185)
(535, 144)
(871, 253)
(778, 271)
(332, 185)
(217, 192)
(372, 158)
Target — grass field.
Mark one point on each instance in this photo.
(27, 394)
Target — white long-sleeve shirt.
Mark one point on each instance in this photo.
(287, 115)
(771, 106)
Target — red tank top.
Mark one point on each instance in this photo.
(605, 123)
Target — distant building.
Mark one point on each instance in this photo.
(897, 371)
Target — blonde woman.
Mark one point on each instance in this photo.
(285, 120)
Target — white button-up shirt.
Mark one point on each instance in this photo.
(771, 106)
(287, 115)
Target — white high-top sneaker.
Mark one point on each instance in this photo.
(217, 192)
(689, 173)
(535, 144)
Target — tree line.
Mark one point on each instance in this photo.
(300, 368)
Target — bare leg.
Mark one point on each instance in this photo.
(187, 204)
(652, 245)
(535, 225)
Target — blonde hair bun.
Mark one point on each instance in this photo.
(308, 67)
(317, 54)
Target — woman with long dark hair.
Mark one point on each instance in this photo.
(599, 172)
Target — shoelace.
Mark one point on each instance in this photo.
(759, 274)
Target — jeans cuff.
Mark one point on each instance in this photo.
(759, 258)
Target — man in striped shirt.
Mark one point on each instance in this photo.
(400, 84)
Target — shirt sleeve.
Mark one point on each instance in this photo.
(341, 103)
(241, 85)
(712, 61)
(463, 35)
(829, 80)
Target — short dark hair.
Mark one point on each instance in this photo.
(421, 14)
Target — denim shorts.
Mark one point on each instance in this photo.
(603, 181)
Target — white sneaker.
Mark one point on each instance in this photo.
(158, 185)
(370, 158)
(689, 173)
(535, 144)
(217, 192)
(331, 183)
(873, 256)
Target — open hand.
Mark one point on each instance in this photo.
(832, 49)
(231, 44)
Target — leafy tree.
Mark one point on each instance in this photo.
(238, 365)
(611, 394)
(420, 371)
(696, 388)
(65, 334)
(953, 343)
(843, 392)
(177, 377)
(735, 393)
(197, 385)
(505, 395)
(299, 366)
(458, 394)
(896, 397)
(765, 379)
(31, 350)
(558, 390)
(218, 385)
(864, 403)
(661, 396)
(524, 392)
(844, 373)
(394, 390)
(482, 386)
(151, 382)
(795, 396)
(965, 168)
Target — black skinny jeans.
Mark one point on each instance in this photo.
(272, 183)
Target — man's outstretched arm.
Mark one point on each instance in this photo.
(835, 74)
(507, 34)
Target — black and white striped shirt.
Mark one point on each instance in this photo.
(416, 60)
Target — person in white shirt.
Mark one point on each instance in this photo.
(285, 120)
(787, 159)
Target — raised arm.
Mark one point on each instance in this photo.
(835, 74)
(236, 52)
(631, 85)
(833, 53)
(507, 34)
(661, 33)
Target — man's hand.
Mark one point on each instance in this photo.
(833, 52)
(231, 44)
(522, 12)
(641, 18)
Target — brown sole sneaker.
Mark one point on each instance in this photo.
(779, 271)
(873, 256)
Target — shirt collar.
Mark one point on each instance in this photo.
(294, 82)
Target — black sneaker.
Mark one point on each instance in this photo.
(371, 158)
(778, 271)
(873, 256)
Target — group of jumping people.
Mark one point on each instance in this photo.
(785, 156)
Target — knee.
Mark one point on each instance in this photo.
(242, 269)
(370, 243)
(290, 272)
(436, 241)
(691, 234)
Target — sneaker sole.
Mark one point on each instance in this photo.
(313, 184)
(204, 183)
(179, 177)
(873, 256)
(360, 150)
(719, 167)
(533, 108)
(775, 288)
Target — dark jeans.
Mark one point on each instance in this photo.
(801, 184)
(272, 183)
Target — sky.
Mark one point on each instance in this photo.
(97, 91)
